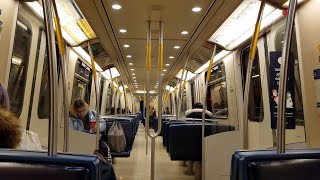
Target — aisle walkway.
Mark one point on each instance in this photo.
(137, 166)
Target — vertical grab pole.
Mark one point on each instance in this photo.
(204, 112)
(147, 88)
(63, 69)
(97, 91)
(252, 54)
(181, 85)
(52, 62)
(281, 119)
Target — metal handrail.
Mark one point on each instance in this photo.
(97, 91)
(63, 69)
(180, 85)
(52, 63)
(281, 119)
(204, 110)
(148, 71)
(252, 54)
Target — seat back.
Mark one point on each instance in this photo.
(267, 164)
(185, 142)
(128, 128)
(28, 165)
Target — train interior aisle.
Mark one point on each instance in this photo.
(137, 166)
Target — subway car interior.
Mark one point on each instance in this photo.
(160, 89)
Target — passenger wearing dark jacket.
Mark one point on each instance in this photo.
(196, 112)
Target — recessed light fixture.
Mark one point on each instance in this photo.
(135, 80)
(130, 64)
(184, 32)
(116, 6)
(129, 56)
(176, 47)
(171, 57)
(133, 74)
(164, 70)
(167, 64)
(134, 77)
(126, 45)
(123, 30)
(162, 74)
(196, 9)
(132, 69)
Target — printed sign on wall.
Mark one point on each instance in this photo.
(275, 62)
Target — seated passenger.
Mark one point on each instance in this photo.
(166, 111)
(10, 130)
(83, 119)
(196, 112)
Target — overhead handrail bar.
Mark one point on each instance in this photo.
(97, 91)
(204, 102)
(63, 69)
(52, 63)
(180, 85)
(281, 116)
(252, 54)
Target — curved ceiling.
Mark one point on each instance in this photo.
(177, 16)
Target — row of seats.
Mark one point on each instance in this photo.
(130, 127)
(268, 164)
(29, 165)
(183, 141)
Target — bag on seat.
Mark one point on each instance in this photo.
(30, 141)
(116, 137)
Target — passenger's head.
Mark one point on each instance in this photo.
(80, 108)
(197, 106)
(10, 130)
(4, 98)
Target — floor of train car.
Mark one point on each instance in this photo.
(137, 166)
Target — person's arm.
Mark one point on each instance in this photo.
(103, 125)
(71, 126)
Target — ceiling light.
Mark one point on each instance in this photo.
(135, 80)
(164, 70)
(123, 30)
(130, 64)
(171, 57)
(167, 64)
(240, 24)
(162, 74)
(126, 45)
(132, 69)
(133, 74)
(116, 6)
(176, 47)
(184, 32)
(189, 75)
(134, 77)
(129, 56)
(196, 9)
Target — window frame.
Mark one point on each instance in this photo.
(245, 63)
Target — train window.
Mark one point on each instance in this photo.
(297, 81)
(44, 96)
(217, 101)
(255, 110)
(192, 93)
(109, 101)
(82, 82)
(184, 102)
(101, 91)
(19, 66)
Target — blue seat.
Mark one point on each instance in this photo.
(185, 142)
(129, 131)
(29, 165)
(267, 164)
